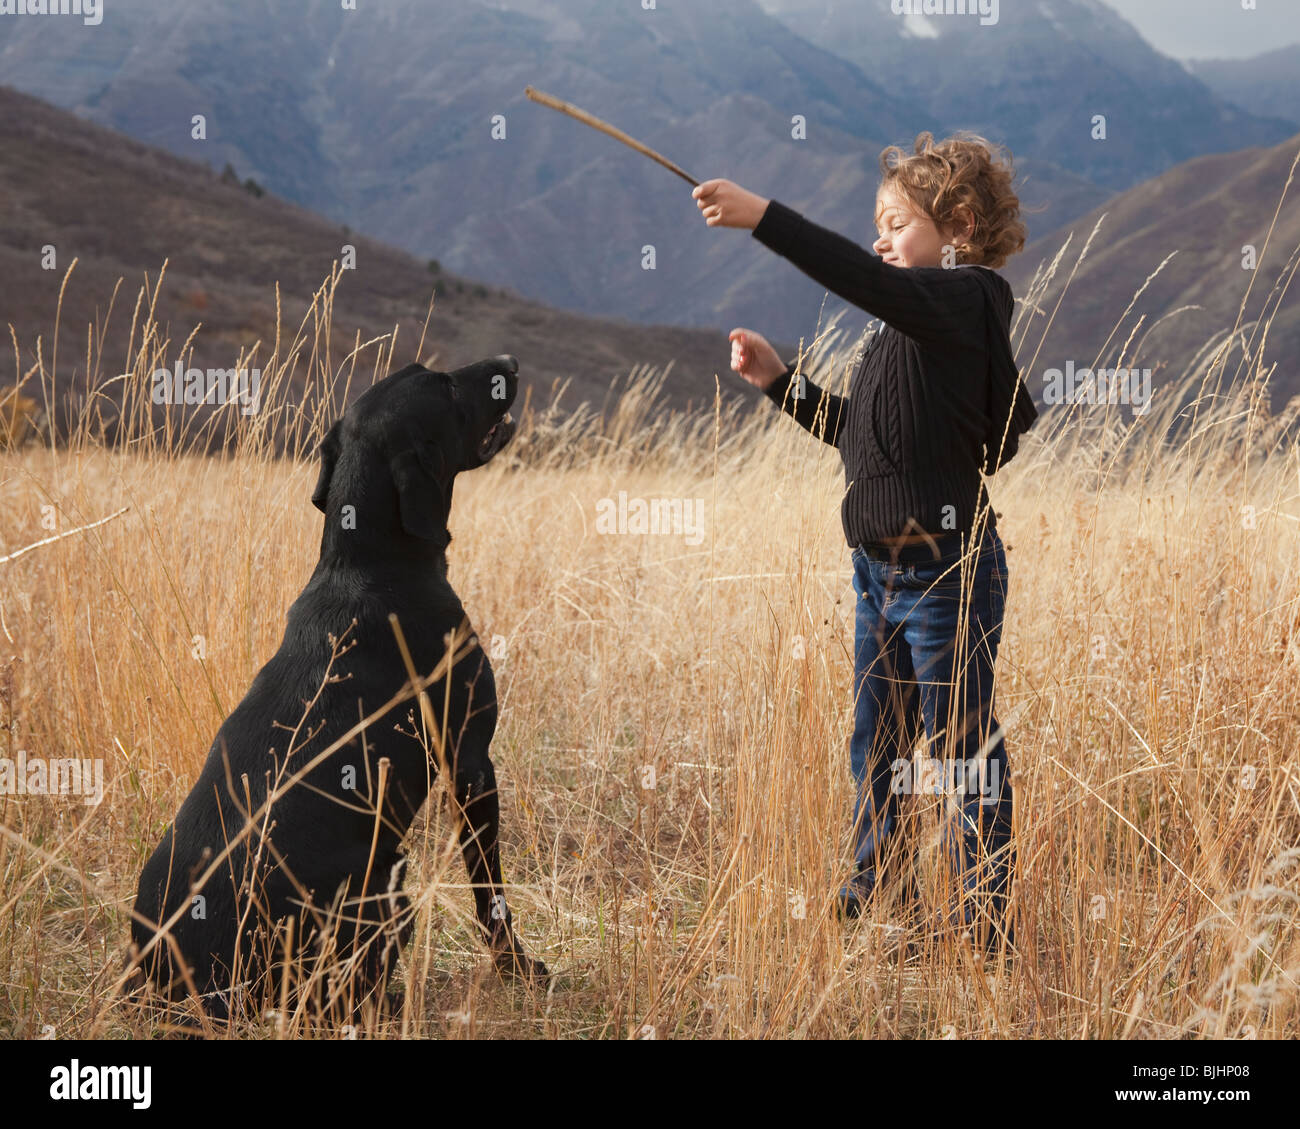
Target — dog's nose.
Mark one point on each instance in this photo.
(510, 362)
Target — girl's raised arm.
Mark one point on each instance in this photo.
(932, 305)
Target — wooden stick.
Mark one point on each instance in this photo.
(605, 127)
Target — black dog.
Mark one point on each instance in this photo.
(318, 873)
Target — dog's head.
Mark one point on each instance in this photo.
(407, 437)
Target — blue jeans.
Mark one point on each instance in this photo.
(926, 637)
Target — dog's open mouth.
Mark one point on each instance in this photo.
(498, 435)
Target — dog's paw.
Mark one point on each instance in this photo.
(515, 965)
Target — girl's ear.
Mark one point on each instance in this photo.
(959, 232)
(963, 223)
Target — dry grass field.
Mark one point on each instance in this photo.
(672, 749)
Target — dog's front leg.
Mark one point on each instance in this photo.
(476, 792)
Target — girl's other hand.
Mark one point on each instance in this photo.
(754, 358)
(725, 204)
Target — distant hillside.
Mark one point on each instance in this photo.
(1267, 84)
(123, 208)
(1206, 210)
(1034, 80)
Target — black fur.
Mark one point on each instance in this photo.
(393, 459)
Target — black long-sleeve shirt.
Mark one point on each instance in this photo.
(935, 399)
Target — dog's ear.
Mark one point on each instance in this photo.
(423, 491)
(329, 455)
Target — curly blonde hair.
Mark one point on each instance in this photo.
(962, 173)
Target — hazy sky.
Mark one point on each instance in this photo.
(1213, 29)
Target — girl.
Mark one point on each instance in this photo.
(935, 400)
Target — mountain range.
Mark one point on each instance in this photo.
(1268, 84)
(1229, 225)
(382, 120)
(406, 120)
(234, 253)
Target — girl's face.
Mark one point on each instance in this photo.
(907, 238)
